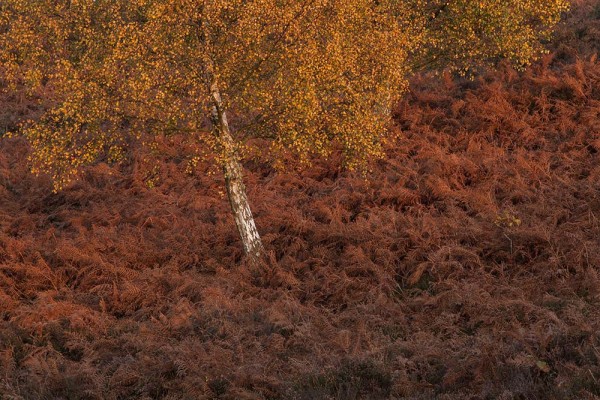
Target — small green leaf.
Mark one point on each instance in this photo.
(543, 366)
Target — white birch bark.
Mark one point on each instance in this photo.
(236, 190)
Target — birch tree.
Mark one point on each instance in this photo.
(311, 76)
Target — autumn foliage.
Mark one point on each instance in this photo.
(310, 76)
(465, 266)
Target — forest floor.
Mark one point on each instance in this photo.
(466, 265)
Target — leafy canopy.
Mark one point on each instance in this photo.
(310, 75)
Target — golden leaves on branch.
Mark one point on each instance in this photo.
(310, 75)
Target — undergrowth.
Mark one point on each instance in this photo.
(416, 283)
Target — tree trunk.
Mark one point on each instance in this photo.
(236, 190)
